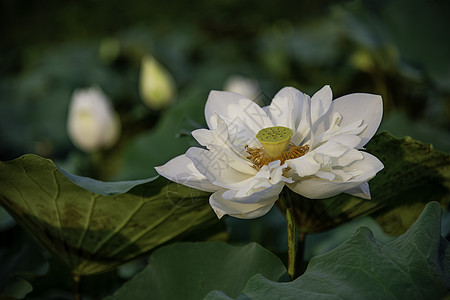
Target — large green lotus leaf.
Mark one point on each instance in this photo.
(104, 188)
(413, 175)
(414, 266)
(91, 225)
(192, 270)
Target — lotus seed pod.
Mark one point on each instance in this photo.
(275, 140)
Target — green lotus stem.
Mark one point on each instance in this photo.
(300, 255)
(291, 234)
(95, 164)
(76, 286)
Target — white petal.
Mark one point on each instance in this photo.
(325, 175)
(234, 160)
(218, 102)
(369, 166)
(331, 149)
(361, 171)
(318, 188)
(239, 112)
(320, 103)
(347, 140)
(338, 145)
(253, 206)
(351, 156)
(305, 165)
(216, 166)
(286, 108)
(361, 191)
(303, 133)
(267, 176)
(245, 119)
(203, 136)
(354, 128)
(276, 172)
(217, 136)
(342, 176)
(181, 170)
(358, 106)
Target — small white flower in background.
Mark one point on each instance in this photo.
(93, 124)
(243, 86)
(156, 85)
(309, 144)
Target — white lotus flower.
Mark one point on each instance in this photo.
(93, 124)
(311, 145)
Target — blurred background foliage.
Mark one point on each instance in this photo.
(399, 49)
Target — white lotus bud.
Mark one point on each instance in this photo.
(157, 86)
(93, 124)
(243, 86)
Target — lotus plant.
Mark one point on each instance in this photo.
(312, 145)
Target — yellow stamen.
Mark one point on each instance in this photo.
(276, 145)
(259, 157)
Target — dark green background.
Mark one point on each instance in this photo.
(399, 49)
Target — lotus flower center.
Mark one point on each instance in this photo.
(275, 140)
(276, 145)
